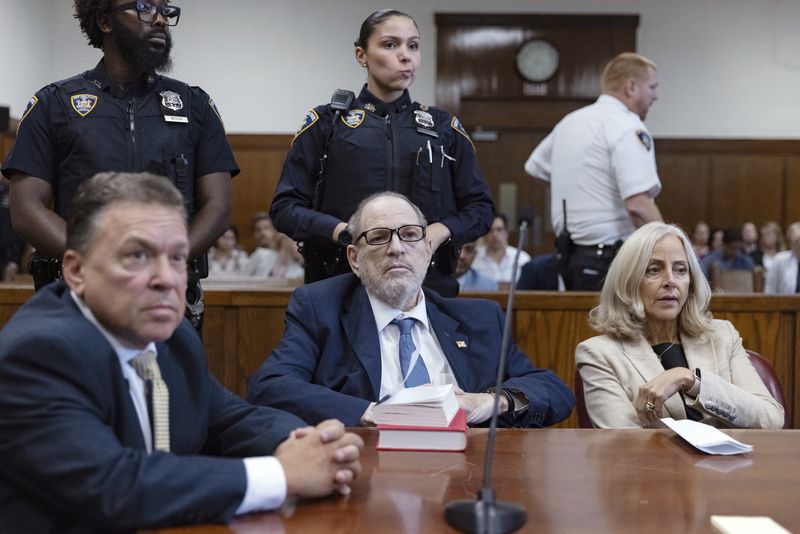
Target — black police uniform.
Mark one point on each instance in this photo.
(419, 151)
(75, 128)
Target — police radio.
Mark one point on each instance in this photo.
(340, 101)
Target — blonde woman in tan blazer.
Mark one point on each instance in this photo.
(661, 353)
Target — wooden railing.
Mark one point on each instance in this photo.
(242, 325)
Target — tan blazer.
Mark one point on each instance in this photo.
(731, 392)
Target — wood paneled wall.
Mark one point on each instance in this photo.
(242, 327)
(260, 159)
(724, 182)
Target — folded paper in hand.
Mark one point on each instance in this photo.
(706, 438)
(427, 405)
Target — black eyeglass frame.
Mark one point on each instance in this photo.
(171, 14)
(392, 231)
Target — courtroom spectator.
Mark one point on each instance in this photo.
(782, 276)
(265, 253)
(468, 278)
(661, 353)
(700, 239)
(716, 239)
(730, 257)
(341, 350)
(771, 242)
(750, 243)
(110, 420)
(287, 265)
(541, 273)
(11, 244)
(225, 259)
(495, 257)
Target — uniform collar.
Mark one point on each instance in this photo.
(100, 77)
(369, 101)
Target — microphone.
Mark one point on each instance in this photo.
(487, 515)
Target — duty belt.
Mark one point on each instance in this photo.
(597, 250)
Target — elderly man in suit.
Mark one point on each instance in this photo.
(341, 351)
(782, 276)
(109, 417)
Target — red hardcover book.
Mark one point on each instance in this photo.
(425, 438)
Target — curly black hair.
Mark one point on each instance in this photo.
(87, 11)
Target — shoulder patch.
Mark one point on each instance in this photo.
(83, 104)
(31, 104)
(354, 118)
(213, 107)
(308, 121)
(645, 139)
(457, 126)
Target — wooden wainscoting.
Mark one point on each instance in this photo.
(242, 326)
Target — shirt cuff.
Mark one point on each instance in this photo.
(266, 485)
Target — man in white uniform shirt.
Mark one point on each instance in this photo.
(600, 162)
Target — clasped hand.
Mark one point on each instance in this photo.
(652, 395)
(320, 460)
(478, 405)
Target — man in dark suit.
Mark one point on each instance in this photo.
(340, 350)
(88, 444)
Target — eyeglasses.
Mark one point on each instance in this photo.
(409, 233)
(148, 12)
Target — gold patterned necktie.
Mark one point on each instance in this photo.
(147, 368)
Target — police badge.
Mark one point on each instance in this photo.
(83, 104)
(423, 119)
(354, 118)
(171, 100)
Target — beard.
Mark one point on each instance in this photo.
(397, 291)
(137, 50)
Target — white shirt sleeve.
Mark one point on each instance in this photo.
(266, 485)
(539, 162)
(634, 164)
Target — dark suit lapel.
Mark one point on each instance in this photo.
(358, 322)
(455, 344)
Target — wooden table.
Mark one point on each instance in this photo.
(570, 481)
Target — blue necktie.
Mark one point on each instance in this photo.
(419, 374)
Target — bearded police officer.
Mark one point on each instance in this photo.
(600, 162)
(120, 116)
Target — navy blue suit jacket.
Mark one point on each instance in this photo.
(72, 455)
(328, 362)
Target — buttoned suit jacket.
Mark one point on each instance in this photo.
(782, 275)
(72, 453)
(328, 363)
(731, 392)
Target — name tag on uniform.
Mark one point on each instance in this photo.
(176, 118)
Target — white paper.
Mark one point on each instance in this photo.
(738, 524)
(426, 405)
(706, 438)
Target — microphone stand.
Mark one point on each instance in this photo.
(487, 515)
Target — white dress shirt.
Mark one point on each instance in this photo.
(266, 481)
(424, 338)
(501, 272)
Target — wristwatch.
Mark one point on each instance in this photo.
(345, 238)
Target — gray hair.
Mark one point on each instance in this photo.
(105, 188)
(354, 224)
(621, 312)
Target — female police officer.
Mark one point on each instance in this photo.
(349, 149)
